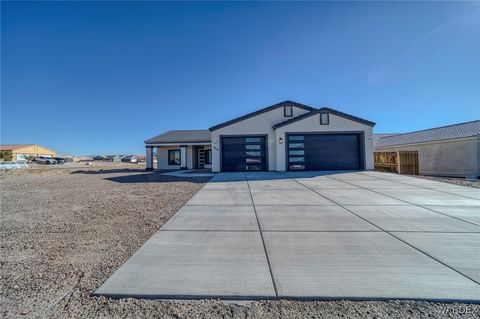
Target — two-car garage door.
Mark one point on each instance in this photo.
(324, 152)
(305, 152)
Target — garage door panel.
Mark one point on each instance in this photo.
(243, 153)
(324, 152)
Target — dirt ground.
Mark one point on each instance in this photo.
(64, 232)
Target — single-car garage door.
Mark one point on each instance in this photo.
(243, 153)
(324, 152)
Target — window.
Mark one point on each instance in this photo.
(173, 157)
(297, 159)
(296, 145)
(297, 152)
(324, 120)
(287, 111)
(296, 137)
(208, 156)
(297, 167)
(252, 140)
(253, 153)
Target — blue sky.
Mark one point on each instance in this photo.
(101, 77)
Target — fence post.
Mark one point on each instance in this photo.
(399, 166)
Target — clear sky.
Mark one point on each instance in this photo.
(101, 77)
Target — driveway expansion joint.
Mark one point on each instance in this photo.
(311, 251)
(410, 203)
(396, 237)
(263, 240)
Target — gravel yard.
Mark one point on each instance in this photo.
(453, 180)
(64, 232)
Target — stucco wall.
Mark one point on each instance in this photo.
(260, 125)
(162, 157)
(453, 157)
(33, 150)
(162, 153)
(312, 124)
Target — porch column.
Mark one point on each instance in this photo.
(183, 156)
(149, 158)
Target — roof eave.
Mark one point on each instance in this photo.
(261, 111)
(177, 142)
(324, 110)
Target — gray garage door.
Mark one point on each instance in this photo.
(243, 153)
(324, 152)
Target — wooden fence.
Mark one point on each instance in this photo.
(400, 162)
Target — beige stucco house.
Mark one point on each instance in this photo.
(452, 150)
(18, 152)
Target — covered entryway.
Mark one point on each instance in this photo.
(324, 152)
(243, 153)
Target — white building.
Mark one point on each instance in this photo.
(283, 137)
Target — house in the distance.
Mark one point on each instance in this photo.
(18, 152)
(287, 136)
(452, 150)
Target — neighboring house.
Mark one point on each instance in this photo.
(17, 152)
(129, 159)
(452, 150)
(114, 158)
(101, 158)
(378, 136)
(140, 158)
(287, 136)
(83, 159)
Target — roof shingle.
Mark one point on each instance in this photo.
(181, 136)
(455, 131)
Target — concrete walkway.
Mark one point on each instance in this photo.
(362, 235)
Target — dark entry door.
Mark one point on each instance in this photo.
(243, 153)
(324, 152)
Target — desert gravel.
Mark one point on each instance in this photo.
(64, 233)
(453, 180)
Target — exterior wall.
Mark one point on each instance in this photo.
(34, 150)
(259, 125)
(449, 158)
(162, 157)
(312, 124)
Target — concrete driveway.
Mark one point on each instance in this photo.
(308, 235)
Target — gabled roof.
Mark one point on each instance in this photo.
(181, 136)
(449, 132)
(324, 110)
(267, 109)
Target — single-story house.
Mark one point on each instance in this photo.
(287, 136)
(452, 150)
(100, 158)
(18, 152)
